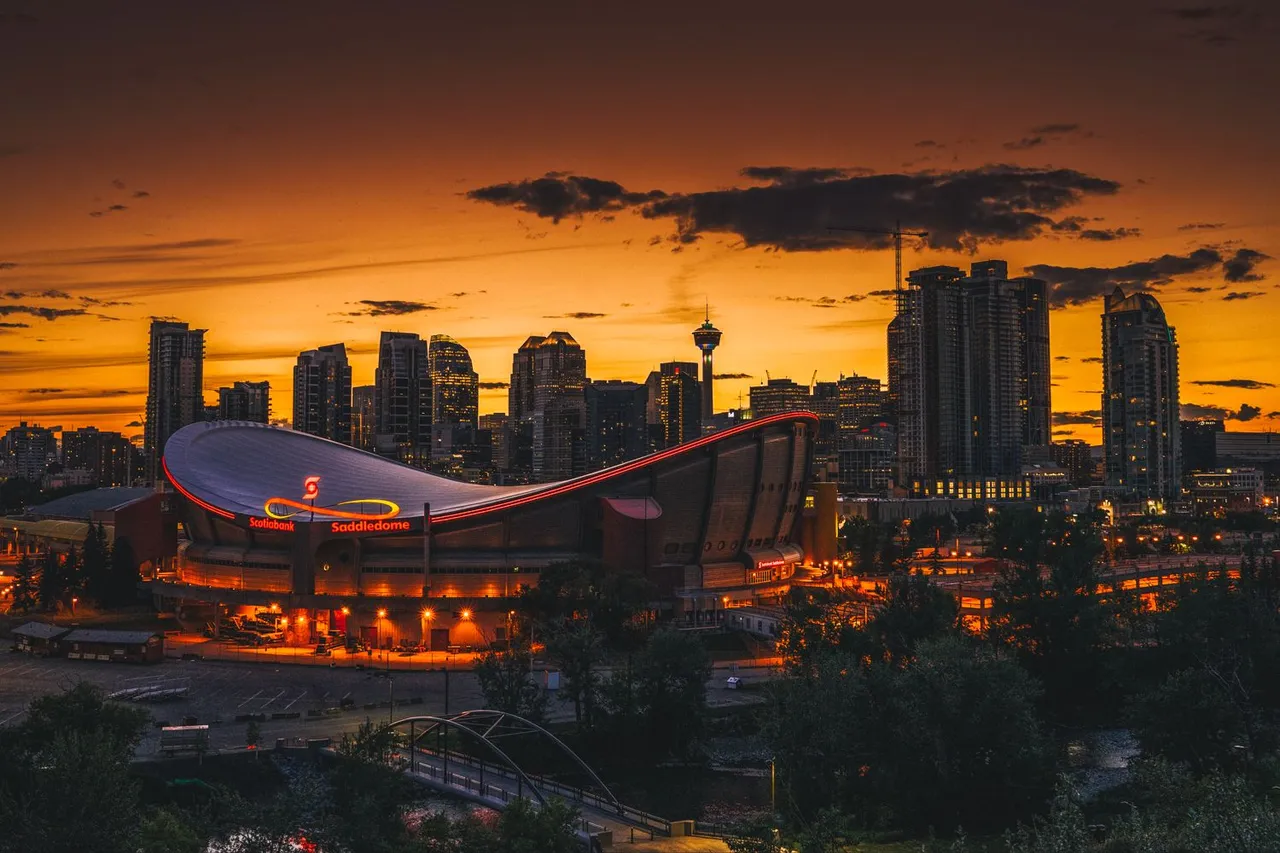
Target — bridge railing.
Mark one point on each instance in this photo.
(487, 789)
(569, 792)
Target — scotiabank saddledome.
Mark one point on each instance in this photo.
(280, 517)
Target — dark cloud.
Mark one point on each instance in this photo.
(789, 176)
(41, 311)
(494, 386)
(1073, 224)
(575, 315)
(118, 184)
(1105, 235)
(1199, 289)
(389, 308)
(1090, 417)
(81, 393)
(1192, 411)
(1241, 266)
(1201, 226)
(1025, 143)
(733, 376)
(556, 196)
(103, 303)
(1078, 285)
(1092, 359)
(1056, 129)
(883, 294)
(134, 424)
(116, 207)
(1247, 384)
(35, 294)
(1237, 295)
(1062, 358)
(960, 209)
(7, 265)
(929, 143)
(141, 194)
(822, 301)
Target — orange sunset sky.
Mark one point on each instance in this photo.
(290, 175)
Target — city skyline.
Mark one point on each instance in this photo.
(170, 183)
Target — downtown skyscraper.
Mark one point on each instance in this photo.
(559, 408)
(245, 401)
(968, 378)
(175, 386)
(674, 405)
(402, 398)
(322, 393)
(455, 386)
(1140, 406)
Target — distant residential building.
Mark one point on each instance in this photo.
(1076, 458)
(824, 401)
(1256, 448)
(1199, 444)
(674, 403)
(245, 401)
(175, 386)
(497, 427)
(616, 424)
(867, 454)
(1215, 493)
(364, 416)
(1140, 425)
(559, 408)
(861, 400)
(29, 450)
(455, 386)
(106, 456)
(322, 393)
(402, 398)
(777, 396)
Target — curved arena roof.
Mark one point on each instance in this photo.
(234, 468)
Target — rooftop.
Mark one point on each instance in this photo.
(82, 505)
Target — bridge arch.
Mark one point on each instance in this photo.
(487, 725)
(448, 723)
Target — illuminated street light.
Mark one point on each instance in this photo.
(346, 611)
(465, 614)
(382, 613)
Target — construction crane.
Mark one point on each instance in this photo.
(897, 234)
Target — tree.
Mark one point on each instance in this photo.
(506, 685)
(577, 649)
(671, 674)
(252, 734)
(1193, 718)
(915, 610)
(123, 583)
(585, 591)
(164, 831)
(52, 585)
(95, 566)
(25, 588)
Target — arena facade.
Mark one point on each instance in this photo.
(347, 541)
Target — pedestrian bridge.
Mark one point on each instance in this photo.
(499, 779)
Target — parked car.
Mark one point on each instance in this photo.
(733, 682)
(323, 650)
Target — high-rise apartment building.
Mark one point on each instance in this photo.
(1140, 425)
(455, 386)
(28, 450)
(402, 398)
(245, 401)
(175, 386)
(867, 457)
(617, 430)
(674, 404)
(961, 385)
(707, 338)
(861, 400)
(322, 393)
(364, 416)
(824, 401)
(777, 396)
(107, 456)
(520, 415)
(559, 408)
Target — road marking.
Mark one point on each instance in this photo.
(295, 699)
(11, 717)
(250, 699)
(272, 699)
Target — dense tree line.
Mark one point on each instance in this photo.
(913, 722)
(101, 572)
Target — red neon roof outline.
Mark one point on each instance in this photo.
(557, 489)
(195, 500)
(625, 468)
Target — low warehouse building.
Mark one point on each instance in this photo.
(38, 638)
(130, 646)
